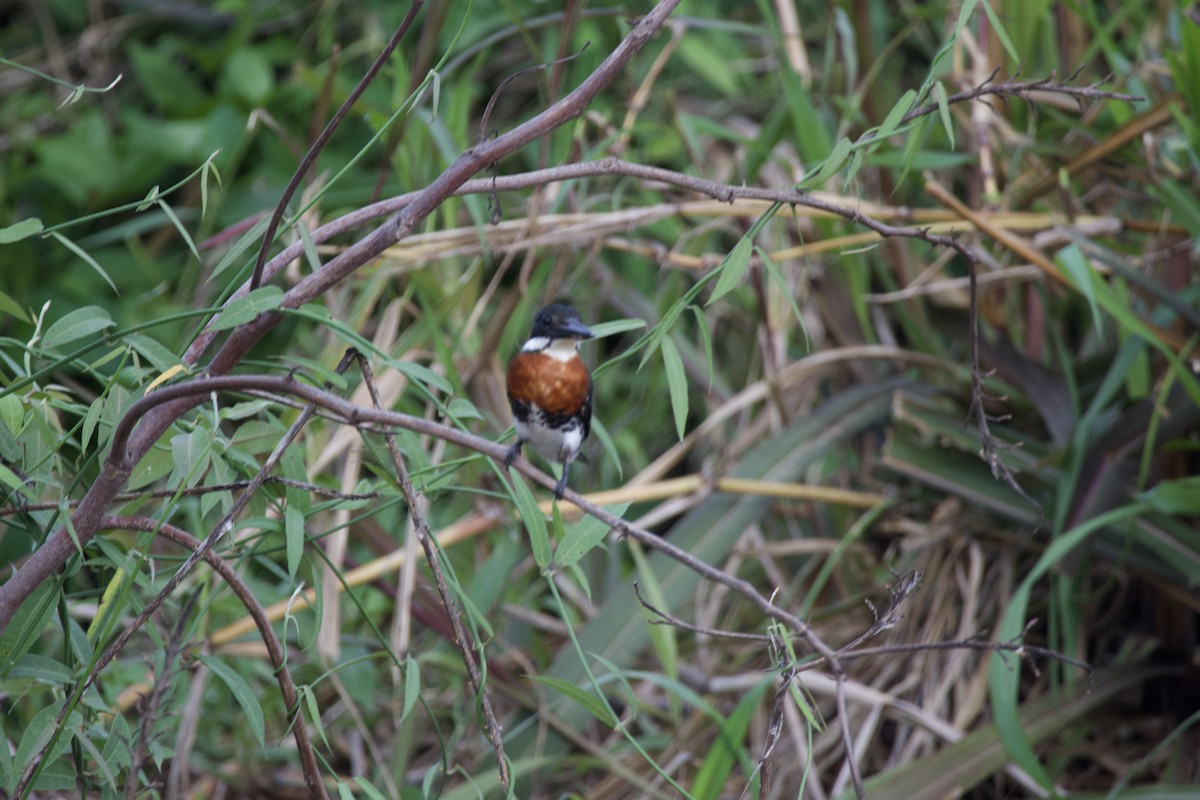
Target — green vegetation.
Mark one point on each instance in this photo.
(897, 320)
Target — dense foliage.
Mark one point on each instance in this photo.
(787, 390)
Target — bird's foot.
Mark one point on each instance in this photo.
(512, 453)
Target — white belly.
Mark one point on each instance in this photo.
(554, 444)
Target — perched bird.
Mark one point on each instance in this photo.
(550, 390)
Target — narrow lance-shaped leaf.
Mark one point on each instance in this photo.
(731, 269)
(676, 383)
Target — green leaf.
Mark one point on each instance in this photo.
(535, 521)
(943, 102)
(12, 413)
(246, 309)
(911, 147)
(27, 624)
(249, 73)
(20, 230)
(87, 257)
(705, 341)
(663, 328)
(293, 531)
(832, 163)
(368, 789)
(1181, 496)
(580, 537)
(189, 453)
(82, 323)
(1001, 33)
(242, 692)
(1075, 264)
(240, 248)
(12, 308)
(610, 447)
(727, 749)
(592, 704)
(39, 732)
(676, 383)
(461, 408)
(412, 685)
(159, 356)
(422, 374)
(603, 329)
(731, 269)
(892, 121)
(777, 278)
(1003, 675)
(180, 228)
(13, 481)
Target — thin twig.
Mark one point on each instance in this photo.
(275, 653)
(425, 537)
(149, 713)
(197, 491)
(319, 143)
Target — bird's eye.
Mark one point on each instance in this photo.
(544, 319)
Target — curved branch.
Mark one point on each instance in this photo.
(53, 554)
(308, 758)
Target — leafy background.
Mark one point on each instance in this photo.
(831, 379)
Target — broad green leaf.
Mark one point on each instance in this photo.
(27, 624)
(12, 413)
(1181, 496)
(246, 309)
(159, 356)
(676, 383)
(189, 452)
(580, 537)
(594, 705)
(531, 515)
(12, 308)
(242, 692)
(20, 230)
(39, 733)
(321, 373)
(461, 408)
(82, 323)
(728, 748)
(731, 269)
(423, 374)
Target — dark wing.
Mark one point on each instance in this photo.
(586, 412)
